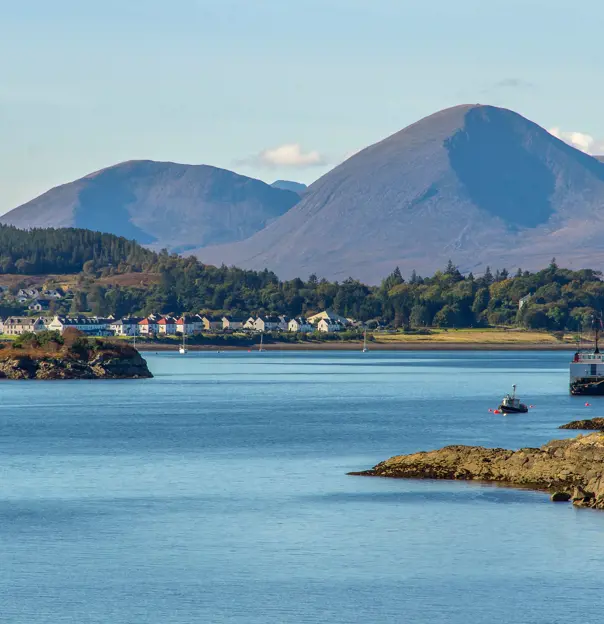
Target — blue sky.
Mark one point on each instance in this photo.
(86, 84)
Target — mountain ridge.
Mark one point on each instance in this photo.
(162, 204)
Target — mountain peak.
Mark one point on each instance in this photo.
(476, 183)
(165, 204)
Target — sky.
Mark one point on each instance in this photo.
(275, 88)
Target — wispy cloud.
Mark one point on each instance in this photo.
(579, 140)
(290, 155)
(513, 83)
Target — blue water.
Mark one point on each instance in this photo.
(217, 492)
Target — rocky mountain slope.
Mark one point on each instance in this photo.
(478, 184)
(160, 204)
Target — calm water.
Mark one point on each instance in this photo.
(217, 492)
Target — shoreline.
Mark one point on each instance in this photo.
(357, 346)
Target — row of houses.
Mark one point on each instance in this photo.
(166, 325)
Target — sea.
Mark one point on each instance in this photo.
(217, 492)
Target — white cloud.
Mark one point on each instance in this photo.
(579, 140)
(287, 155)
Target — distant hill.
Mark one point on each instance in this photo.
(478, 184)
(288, 185)
(161, 204)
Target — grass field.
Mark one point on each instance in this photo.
(478, 336)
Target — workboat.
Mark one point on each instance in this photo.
(587, 367)
(511, 404)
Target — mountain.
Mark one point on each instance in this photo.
(478, 184)
(159, 203)
(288, 185)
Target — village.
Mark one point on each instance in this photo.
(158, 326)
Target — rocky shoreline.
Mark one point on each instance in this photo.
(571, 469)
(98, 365)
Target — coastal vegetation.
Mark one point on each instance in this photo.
(109, 275)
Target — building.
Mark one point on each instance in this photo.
(233, 323)
(250, 323)
(17, 325)
(125, 327)
(329, 326)
(267, 323)
(39, 305)
(166, 326)
(300, 324)
(91, 325)
(28, 293)
(148, 326)
(524, 300)
(53, 293)
(212, 323)
(327, 315)
(283, 322)
(189, 324)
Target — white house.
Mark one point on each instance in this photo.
(148, 326)
(125, 327)
(166, 326)
(88, 324)
(53, 293)
(299, 325)
(267, 323)
(328, 326)
(327, 315)
(250, 323)
(189, 324)
(233, 322)
(17, 325)
(524, 300)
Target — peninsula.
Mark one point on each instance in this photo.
(50, 355)
(571, 469)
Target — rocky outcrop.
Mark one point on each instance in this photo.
(593, 424)
(100, 365)
(574, 467)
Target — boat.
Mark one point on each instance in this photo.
(587, 367)
(183, 347)
(511, 404)
(365, 341)
(260, 349)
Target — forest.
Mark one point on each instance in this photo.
(554, 298)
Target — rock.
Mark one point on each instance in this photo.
(100, 365)
(560, 497)
(560, 466)
(593, 424)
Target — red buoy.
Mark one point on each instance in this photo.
(587, 404)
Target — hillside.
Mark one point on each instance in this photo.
(288, 185)
(161, 204)
(478, 184)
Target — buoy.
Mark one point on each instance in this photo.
(587, 404)
(490, 409)
(496, 412)
(531, 406)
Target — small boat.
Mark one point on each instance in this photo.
(511, 404)
(365, 341)
(183, 347)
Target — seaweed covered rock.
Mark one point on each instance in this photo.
(573, 467)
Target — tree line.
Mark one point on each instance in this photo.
(554, 298)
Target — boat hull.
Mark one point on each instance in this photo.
(506, 409)
(587, 387)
